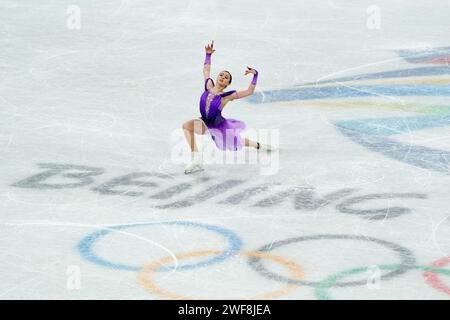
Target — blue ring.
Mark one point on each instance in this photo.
(86, 244)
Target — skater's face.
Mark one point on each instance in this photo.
(224, 78)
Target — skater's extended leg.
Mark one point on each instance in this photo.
(251, 143)
(258, 146)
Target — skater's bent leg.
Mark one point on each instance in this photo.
(199, 126)
(190, 128)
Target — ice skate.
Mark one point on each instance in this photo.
(195, 165)
(265, 147)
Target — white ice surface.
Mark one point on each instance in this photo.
(112, 94)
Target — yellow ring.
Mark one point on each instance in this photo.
(145, 280)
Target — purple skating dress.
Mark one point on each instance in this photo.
(224, 132)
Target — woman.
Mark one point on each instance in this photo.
(224, 132)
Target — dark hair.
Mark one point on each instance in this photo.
(231, 78)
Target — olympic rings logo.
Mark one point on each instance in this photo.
(406, 263)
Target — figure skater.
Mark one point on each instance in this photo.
(224, 132)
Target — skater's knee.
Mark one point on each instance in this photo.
(188, 125)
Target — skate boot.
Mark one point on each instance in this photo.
(195, 165)
(265, 147)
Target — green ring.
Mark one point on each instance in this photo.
(321, 289)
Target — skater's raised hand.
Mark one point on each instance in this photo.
(250, 70)
(251, 88)
(210, 48)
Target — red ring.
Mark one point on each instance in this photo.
(434, 280)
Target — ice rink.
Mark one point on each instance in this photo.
(94, 201)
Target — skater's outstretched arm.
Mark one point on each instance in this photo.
(209, 50)
(251, 87)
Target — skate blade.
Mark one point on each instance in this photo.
(193, 171)
(269, 149)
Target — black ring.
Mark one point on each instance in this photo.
(406, 256)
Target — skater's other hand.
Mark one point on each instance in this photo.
(210, 48)
(250, 70)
